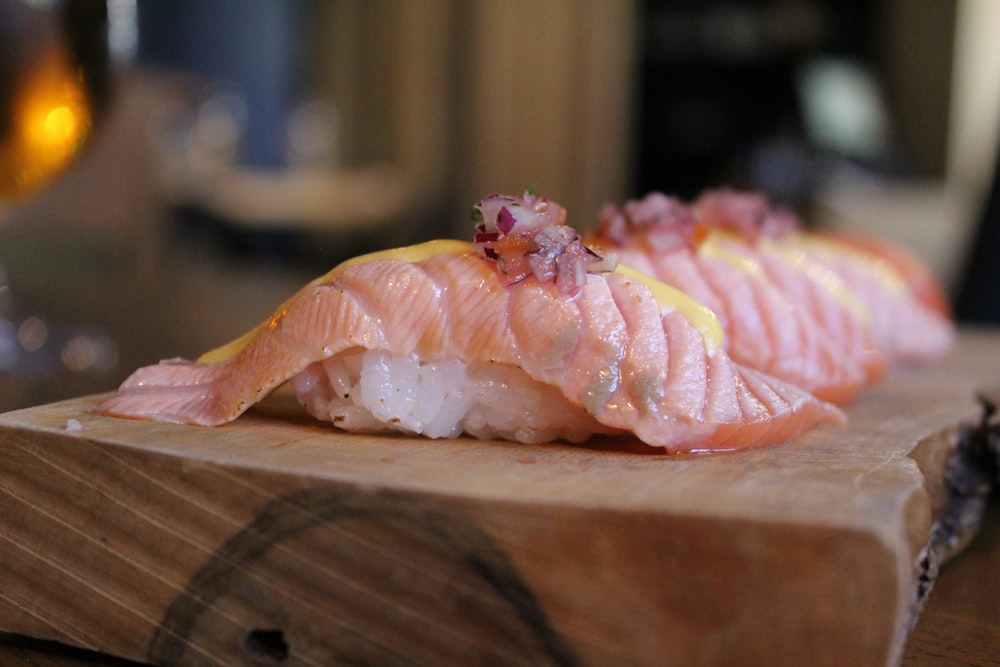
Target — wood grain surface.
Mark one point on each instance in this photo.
(275, 539)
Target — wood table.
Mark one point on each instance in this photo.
(960, 624)
(275, 539)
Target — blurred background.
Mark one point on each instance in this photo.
(250, 145)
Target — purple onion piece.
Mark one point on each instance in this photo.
(487, 237)
(505, 220)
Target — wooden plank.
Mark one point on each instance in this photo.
(276, 538)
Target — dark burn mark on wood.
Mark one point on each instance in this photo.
(496, 594)
(265, 645)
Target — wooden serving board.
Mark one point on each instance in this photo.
(277, 540)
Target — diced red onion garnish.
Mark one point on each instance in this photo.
(779, 222)
(528, 237)
(513, 269)
(557, 235)
(667, 223)
(605, 264)
(543, 266)
(571, 273)
(659, 210)
(750, 213)
(505, 220)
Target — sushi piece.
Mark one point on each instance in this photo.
(779, 316)
(525, 335)
(902, 302)
(873, 301)
(773, 238)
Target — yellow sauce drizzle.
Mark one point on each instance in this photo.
(413, 254)
(409, 254)
(696, 313)
(795, 255)
(712, 247)
(666, 297)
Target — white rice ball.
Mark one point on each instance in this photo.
(372, 391)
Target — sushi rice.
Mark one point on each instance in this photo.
(374, 391)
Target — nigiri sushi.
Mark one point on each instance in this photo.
(903, 304)
(777, 318)
(774, 238)
(790, 300)
(525, 334)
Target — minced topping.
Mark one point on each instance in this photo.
(528, 236)
(669, 223)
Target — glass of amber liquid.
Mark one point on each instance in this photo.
(54, 84)
(54, 76)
